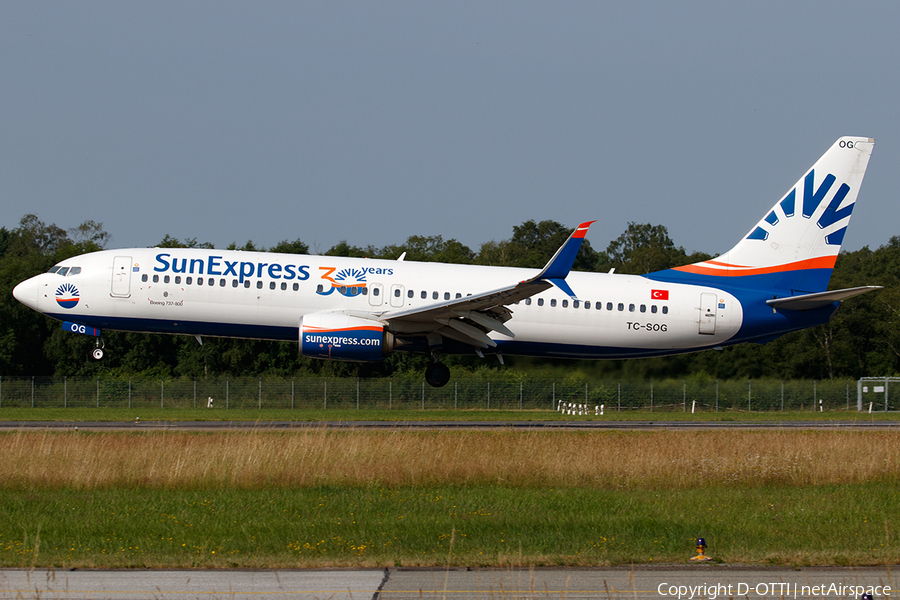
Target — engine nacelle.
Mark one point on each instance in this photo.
(337, 336)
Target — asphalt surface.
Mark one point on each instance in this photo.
(688, 582)
(447, 425)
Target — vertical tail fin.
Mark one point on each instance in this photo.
(795, 245)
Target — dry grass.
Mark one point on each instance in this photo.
(664, 459)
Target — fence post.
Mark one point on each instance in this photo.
(553, 400)
(32, 392)
(391, 394)
(489, 396)
(227, 386)
(259, 405)
(357, 393)
(782, 395)
(848, 397)
(129, 392)
(585, 394)
(520, 395)
(162, 393)
(195, 392)
(683, 395)
(651, 395)
(717, 395)
(749, 392)
(423, 394)
(65, 392)
(292, 393)
(619, 399)
(455, 394)
(325, 386)
(98, 392)
(1, 390)
(815, 395)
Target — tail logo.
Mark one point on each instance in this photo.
(812, 199)
(67, 295)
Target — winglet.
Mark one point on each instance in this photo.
(559, 266)
(557, 269)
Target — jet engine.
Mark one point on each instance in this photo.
(337, 336)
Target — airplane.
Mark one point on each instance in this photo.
(773, 281)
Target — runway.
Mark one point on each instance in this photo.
(592, 425)
(688, 582)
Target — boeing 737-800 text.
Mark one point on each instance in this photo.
(772, 282)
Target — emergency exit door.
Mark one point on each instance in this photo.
(121, 277)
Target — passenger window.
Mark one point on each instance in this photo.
(375, 292)
(247, 284)
(621, 307)
(234, 283)
(187, 280)
(156, 279)
(364, 291)
(199, 281)
(553, 302)
(178, 279)
(424, 295)
(653, 308)
(609, 306)
(527, 301)
(631, 308)
(166, 279)
(643, 308)
(342, 289)
(458, 295)
(144, 278)
(283, 285)
(221, 283)
(271, 285)
(296, 286)
(397, 293)
(446, 295)
(665, 310)
(410, 294)
(434, 295)
(587, 304)
(565, 304)
(540, 301)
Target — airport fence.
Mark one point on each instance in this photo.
(406, 394)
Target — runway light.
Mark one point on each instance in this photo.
(701, 550)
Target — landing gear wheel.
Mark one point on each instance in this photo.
(97, 353)
(437, 374)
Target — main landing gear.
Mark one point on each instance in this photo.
(437, 374)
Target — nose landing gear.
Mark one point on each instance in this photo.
(97, 352)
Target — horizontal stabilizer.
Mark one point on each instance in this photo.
(811, 301)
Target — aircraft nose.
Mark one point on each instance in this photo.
(27, 293)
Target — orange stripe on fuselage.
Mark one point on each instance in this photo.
(823, 262)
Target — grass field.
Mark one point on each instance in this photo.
(361, 498)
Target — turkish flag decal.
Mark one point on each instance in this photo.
(659, 294)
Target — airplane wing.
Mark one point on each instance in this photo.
(468, 319)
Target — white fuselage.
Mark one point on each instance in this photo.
(264, 295)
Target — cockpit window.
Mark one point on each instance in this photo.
(62, 271)
(74, 271)
(53, 269)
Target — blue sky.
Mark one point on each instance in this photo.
(374, 121)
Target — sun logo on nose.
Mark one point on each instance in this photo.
(67, 295)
